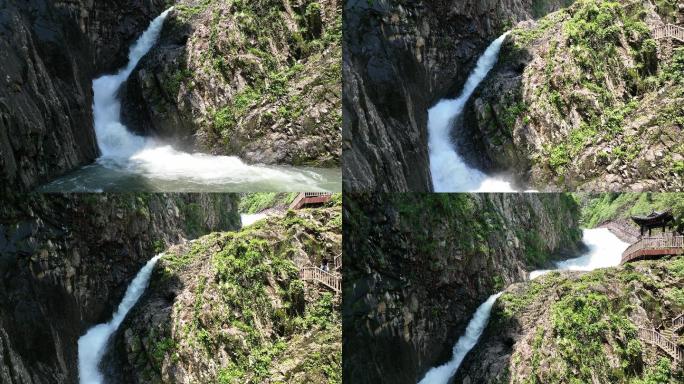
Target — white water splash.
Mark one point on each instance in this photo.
(91, 346)
(450, 173)
(605, 250)
(442, 374)
(125, 151)
(249, 219)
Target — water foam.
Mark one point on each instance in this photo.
(450, 173)
(442, 374)
(91, 346)
(605, 250)
(124, 151)
(249, 219)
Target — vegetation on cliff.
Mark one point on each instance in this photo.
(231, 308)
(407, 256)
(257, 202)
(66, 259)
(572, 327)
(258, 79)
(586, 98)
(600, 209)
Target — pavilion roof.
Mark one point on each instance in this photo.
(654, 219)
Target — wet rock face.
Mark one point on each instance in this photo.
(65, 261)
(50, 52)
(593, 111)
(260, 80)
(399, 60)
(417, 266)
(562, 323)
(217, 304)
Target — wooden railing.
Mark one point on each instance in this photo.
(314, 194)
(669, 30)
(654, 246)
(318, 275)
(309, 198)
(655, 338)
(337, 261)
(678, 323)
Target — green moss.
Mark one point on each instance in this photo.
(257, 202)
(598, 209)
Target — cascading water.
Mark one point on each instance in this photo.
(442, 374)
(127, 157)
(450, 173)
(249, 219)
(605, 250)
(91, 346)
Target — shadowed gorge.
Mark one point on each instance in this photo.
(505, 288)
(253, 108)
(173, 288)
(583, 96)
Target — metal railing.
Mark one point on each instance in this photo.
(669, 30)
(667, 345)
(318, 275)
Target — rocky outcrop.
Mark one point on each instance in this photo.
(65, 262)
(230, 307)
(581, 326)
(400, 59)
(417, 266)
(51, 51)
(583, 99)
(256, 79)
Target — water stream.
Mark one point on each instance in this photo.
(92, 345)
(129, 162)
(605, 250)
(449, 171)
(249, 219)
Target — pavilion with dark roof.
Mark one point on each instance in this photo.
(654, 220)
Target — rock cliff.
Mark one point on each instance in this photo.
(257, 79)
(51, 51)
(582, 326)
(417, 266)
(583, 99)
(231, 308)
(65, 261)
(399, 59)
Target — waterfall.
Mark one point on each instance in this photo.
(442, 374)
(605, 250)
(124, 151)
(91, 346)
(450, 173)
(249, 219)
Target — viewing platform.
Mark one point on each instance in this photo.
(654, 247)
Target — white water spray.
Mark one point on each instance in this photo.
(450, 173)
(125, 151)
(249, 219)
(91, 346)
(605, 250)
(442, 374)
